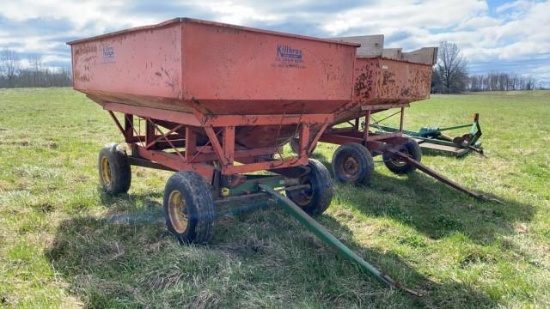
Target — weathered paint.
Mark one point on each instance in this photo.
(217, 69)
(381, 82)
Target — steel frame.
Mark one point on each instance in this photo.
(377, 143)
(171, 141)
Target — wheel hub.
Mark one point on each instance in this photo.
(350, 166)
(304, 196)
(177, 211)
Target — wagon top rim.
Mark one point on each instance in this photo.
(179, 20)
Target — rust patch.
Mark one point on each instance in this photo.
(384, 80)
(85, 49)
(388, 78)
(364, 84)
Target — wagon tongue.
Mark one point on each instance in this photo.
(323, 234)
(436, 175)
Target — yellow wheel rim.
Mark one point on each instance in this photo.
(177, 211)
(106, 171)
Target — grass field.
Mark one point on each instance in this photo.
(64, 243)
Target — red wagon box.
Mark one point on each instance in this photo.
(390, 81)
(218, 69)
(384, 79)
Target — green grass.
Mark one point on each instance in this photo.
(63, 243)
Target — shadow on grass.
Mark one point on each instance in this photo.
(434, 208)
(257, 259)
(433, 295)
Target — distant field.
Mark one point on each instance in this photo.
(64, 243)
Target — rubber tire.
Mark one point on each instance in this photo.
(119, 170)
(317, 199)
(410, 148)
(364, 161)
(294, 145)
(199, 203)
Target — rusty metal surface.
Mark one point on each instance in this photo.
(380, 84)
(186, 64)
(385, 83)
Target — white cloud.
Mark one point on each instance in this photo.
(478, 22)
(514, 30)
(430, 14)
(513, 6)
(79, 12)
(234, 13)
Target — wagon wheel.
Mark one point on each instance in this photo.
(115, 175)
(295, 145)
(353, 163)
(316, 198)
(411, 149)
(189, 208)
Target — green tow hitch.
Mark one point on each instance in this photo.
(323, 234)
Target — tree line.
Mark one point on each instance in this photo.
(501, 82)
(450, 75)
(12, 74)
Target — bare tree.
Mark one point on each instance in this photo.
(450, 71)
(9, 62)
(37, 70)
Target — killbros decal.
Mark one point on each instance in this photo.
(288, 56)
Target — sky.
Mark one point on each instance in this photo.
(494, 35)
